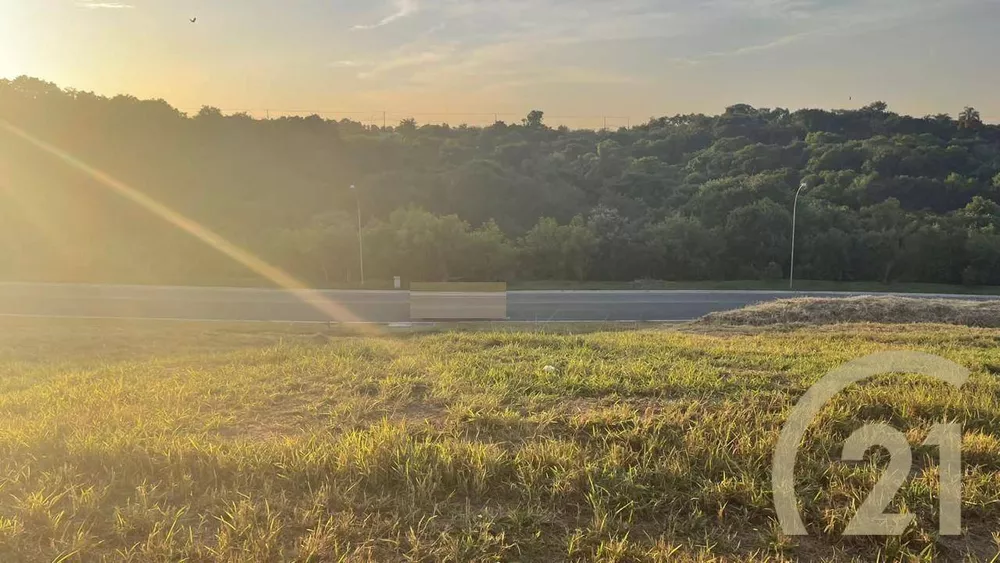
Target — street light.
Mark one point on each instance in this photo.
(361, 242)
(791, 268)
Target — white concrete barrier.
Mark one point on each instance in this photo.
(458, 302)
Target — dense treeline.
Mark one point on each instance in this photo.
(690, 197)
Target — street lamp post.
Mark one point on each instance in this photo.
(361, 242)
(791, 267)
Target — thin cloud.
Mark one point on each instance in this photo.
(404, 8)
(418, 59)
(345, 64)
(858, 17)
(519, 42)
(749, 49)
(581, 76)
(104, 5)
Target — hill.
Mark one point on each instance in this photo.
(892, 198)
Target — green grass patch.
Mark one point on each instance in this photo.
(759, 285)
(166, 442)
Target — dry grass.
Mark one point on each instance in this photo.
(138, 442)
(865, 309)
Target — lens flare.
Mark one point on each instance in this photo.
(331, 309)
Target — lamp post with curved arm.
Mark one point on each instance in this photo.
(791, 267)
(361, 243)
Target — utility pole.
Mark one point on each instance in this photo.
(361, 242)
(791, 267)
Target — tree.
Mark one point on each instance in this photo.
(418, 246)
(886, 227)
(617, 245)
(757, 235)
(489, 255)
(558, 252)
(983, 251)
(875, 107)
(209, 112)
(969, 119)
(534, 119)
(981, 214)
(695, 196)
(323, 252)
(407, 127)
(681, 248)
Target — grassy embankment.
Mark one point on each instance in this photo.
(730, 285)
(148, 442)
(760, 285)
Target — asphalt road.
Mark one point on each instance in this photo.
(231, 304)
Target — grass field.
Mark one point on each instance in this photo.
(168, 442)
(729, 285)
(885, 309)
(761, 285)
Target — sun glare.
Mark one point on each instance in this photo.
(334, 310)
(16, 31)
(8, 66)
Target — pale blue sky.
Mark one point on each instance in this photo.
(634, 58)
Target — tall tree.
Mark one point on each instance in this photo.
(969, 119)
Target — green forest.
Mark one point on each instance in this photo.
(890, 198)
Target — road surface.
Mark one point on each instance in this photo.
(231, 304)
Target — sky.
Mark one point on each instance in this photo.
(467, 60)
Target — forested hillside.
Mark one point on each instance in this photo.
(690, 197)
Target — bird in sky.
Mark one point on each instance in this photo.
(193, 20)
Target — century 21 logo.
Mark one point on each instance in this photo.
(871, 519)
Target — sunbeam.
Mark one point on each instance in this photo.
(333, 310)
